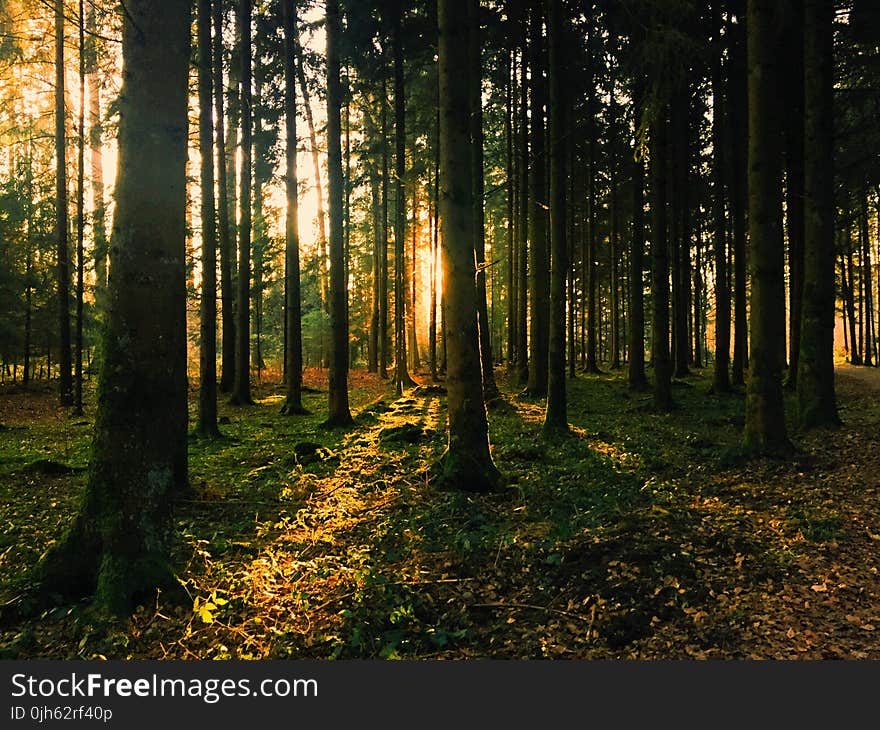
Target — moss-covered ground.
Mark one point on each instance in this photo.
(639, 535)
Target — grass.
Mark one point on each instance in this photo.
(640, 534)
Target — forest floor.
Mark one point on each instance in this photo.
(639, 536)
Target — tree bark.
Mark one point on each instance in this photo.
(293, 314)
(339, 413)
(119, 544)
(765, 430)
(241, 394)
(467, 463)
(80, 217)
(556, 417)
(636, 366)
(227, 244)
(660, 274)
(721, 367)
(65, 382)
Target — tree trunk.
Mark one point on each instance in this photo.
(636, 367)
(556, 418)
(65, 383)
(467, 463)
(522, 297)
(738, 131)
(293, 314)
(590, 272)
(402, 379)
(99, 225)
(384, 340)
(118, 545)
(339, 414)
(80, 216)
(867, 277)
(227, 244)
(490, 389)
(817, 401)
(794, 185)
(207, 424)
(765, 430)
(660, 273)
(241, 394)
(721, 367)
(375, 266)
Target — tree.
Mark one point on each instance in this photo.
(293, 353)
(467, 463)
(118, 545)
(65, 383)
(539, 265)
(660, 272)
(636, 365)
(241, 394)
(765, 430)
(817, 401)
(227, 244)
(721, 369)
(556, 418)
(339, 414)
(207, 423)
(402, 379)
(80, 216)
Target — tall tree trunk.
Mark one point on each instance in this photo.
(765, 430)
(817, 401)
(29, 254)
(402, 379)
(293, 314)
(241, 394)
(119, 543)
(590, 271)
(61, 220)
(510, 287)
(467, 463)
(522, 297)
(721, 368)
(660, 273)
(96, 157)
(375, 265)
(207, 425)
(855, 352)
(636, 367)
(738, 131)
(435, 248)
(227, 243)
(339, 413)
(867, 277)
(490, 389)
(556, 417)
(794, 184)
(80, 216)
(614, 221)
(680, 161)
(539, 268)
(384, 339)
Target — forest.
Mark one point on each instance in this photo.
(439, 329)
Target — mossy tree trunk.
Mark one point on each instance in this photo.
(339, 413)
(817, 402)
(765, 430)
(118, 545)
(467, 463)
